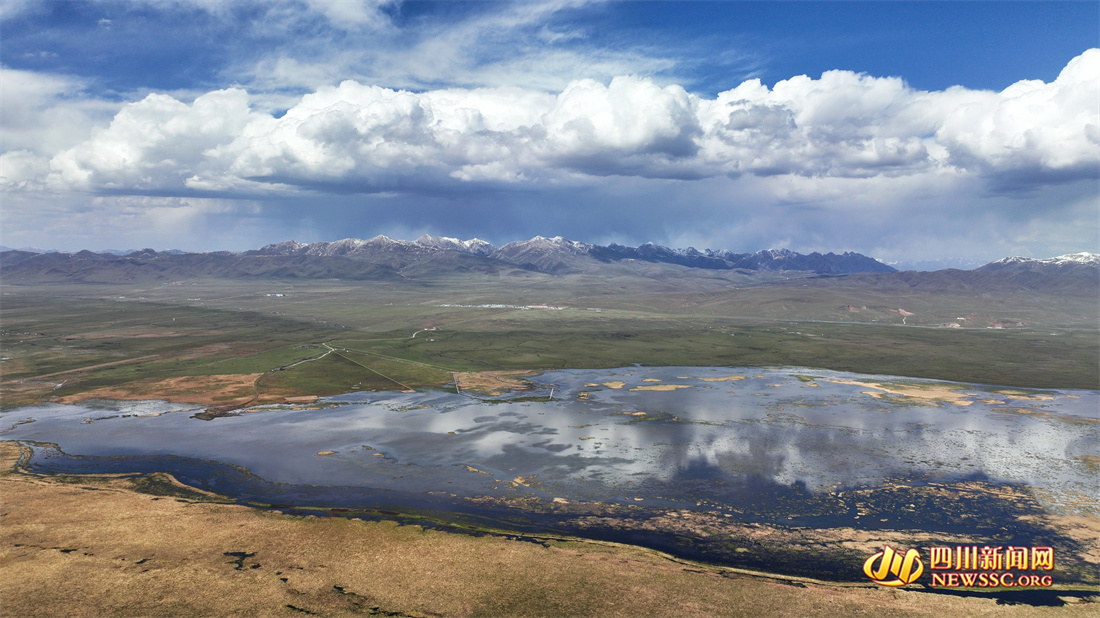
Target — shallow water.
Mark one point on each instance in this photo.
(779, 434)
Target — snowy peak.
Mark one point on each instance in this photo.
(557, 242)
(346, 246)
(355, 247)
(474, 246)
(775, 254)
(440, 242)
(1016, 259)
(477, 246)
(287, 247)
(549, 255)
(1084, 257)
(1078, 263)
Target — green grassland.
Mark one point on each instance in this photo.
(63, 339)
(83, 343)
(1005, 358)
(340, 373)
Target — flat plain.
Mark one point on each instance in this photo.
(65, 339)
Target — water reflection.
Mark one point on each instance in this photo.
(719, 440)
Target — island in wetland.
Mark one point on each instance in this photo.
(551, 429)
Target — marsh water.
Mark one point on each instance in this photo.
(718, 437)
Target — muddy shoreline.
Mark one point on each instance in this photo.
(824, 547)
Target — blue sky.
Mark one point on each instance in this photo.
(904, 130)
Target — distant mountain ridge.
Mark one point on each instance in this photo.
(928, 265)
(1074, 263)
(559, 255)
(383, 258)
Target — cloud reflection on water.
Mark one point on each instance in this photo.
(721, 437)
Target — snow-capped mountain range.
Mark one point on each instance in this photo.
(1071, 262)
(559, 254)
(355, 246)
(382, 257)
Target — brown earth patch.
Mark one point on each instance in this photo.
(223, 389)
(1080, 420)
(494, 383)
(1091, 461)
(302, 399)
(924, 392)
(24, 391)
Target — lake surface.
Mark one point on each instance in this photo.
(724, 438)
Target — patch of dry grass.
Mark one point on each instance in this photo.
(924, 392)
(661, 387)
(211, 389)
(494, 383)
(96, 547)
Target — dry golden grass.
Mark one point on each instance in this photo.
(661, 387)
(209, 390)
(493, 383)
(925, 392)
(95, 547)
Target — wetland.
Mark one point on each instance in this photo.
(790, 470)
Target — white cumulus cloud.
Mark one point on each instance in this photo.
(152, 144)
(357, 137)
(1030, 126)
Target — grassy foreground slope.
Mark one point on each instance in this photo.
(234, 342)
(93, 546)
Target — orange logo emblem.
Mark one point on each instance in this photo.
(904, 568)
